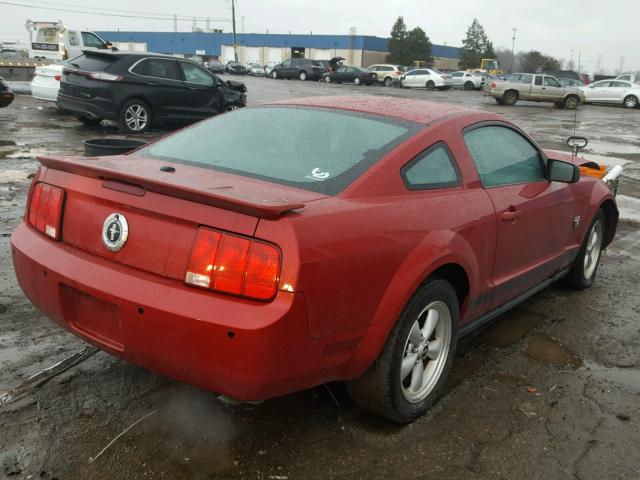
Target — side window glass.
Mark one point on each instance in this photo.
(526, 79)
(163, 69)
(503, 156)
(286, 63)
(74, 41)
(433, 168)
(90, 40)
(195, 74)
(551, 82)
(538, 80)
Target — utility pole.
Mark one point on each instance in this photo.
(513, 48)
(175, 22)
(621, 65)
(233, 22)
(208, 25)
(242, 20)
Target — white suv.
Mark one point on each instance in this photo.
(387, 74)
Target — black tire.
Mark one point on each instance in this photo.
(274, 73)
(91, 122)
(468, 85)
(430, 85)
(509, 98)
(499, 101)
(571, 102)
(630, 101)
(133, 107)
(388, 82)
(583, 273)
(381, 389)
(302, 75)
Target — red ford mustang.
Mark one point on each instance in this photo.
(279, 247)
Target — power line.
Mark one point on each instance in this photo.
(144, 17)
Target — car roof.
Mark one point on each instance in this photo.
(420, 111)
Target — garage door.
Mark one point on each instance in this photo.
(226, 53)
(274, 55)
(322, 54)
(253, 55)
(132, 46)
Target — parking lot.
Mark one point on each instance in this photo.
(550, 390)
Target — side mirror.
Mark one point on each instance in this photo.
(565, 172)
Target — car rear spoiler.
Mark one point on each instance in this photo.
(269, 208)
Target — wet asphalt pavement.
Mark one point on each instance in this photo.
(550, 390)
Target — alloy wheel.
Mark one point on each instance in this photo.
(631, 102)
(426, 351)
(592, 254)
(136, 117)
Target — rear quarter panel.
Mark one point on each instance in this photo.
(360, 256)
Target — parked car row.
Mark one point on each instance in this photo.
(564, 92)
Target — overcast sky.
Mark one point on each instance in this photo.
(608, 31)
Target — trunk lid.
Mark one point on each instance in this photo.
(163, 209)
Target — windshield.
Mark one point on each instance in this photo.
(315, 149)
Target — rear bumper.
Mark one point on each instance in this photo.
(243, 349)
(44, 91)
(85, 107)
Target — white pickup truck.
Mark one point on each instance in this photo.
(55, 41)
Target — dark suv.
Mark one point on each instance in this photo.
(301, 68)
(138, 90)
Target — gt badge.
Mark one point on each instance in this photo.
(115, 231)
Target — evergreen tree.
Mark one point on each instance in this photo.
(475, 46)
(418, 47)
(405, 47)
(396, 41)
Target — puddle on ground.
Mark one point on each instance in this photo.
(629, 377)
(547, 350)
(510, 328)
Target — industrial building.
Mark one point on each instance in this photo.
(359, 50)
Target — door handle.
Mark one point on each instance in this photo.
(510, 215)
(153, 84)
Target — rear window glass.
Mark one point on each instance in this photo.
(315, 149)
(92, 63)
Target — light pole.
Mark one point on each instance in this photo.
(513, 48)
(233, 21)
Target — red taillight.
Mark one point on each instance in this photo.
(492, 85)
(233, 264)
(58, 77)
(45, 209)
